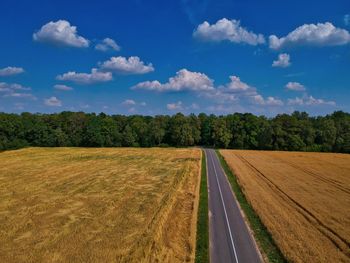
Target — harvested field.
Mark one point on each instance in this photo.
(302, 198)
(98, 205)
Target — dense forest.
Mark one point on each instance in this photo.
(296, 132)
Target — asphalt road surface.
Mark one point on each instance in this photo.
(229, 237)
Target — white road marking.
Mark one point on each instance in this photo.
(223, 204)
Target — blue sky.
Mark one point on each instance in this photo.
(162, 57)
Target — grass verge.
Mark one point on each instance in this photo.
(261, 234)
(202, 244)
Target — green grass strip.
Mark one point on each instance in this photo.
(261, 234)
(202, 244)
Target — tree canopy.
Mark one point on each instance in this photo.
(297, 131)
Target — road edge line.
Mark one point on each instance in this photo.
(202, 233)
(268, 249)
(224, 206)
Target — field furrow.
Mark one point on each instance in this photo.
(307, 216)
(340, 242)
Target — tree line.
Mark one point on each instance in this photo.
(295, 132)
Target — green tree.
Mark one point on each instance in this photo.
(128, 137)
(326, 133)
(157, 129)
(221, 135)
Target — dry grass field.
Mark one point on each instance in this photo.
(98, 205)
(302, 198)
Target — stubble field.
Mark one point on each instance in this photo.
(302, 198)
(98, 205)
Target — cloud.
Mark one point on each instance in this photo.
(220, 95)
(179, 106)
(60, 33)
(84, 106)
(5, 87)
(154, 85)
(282, 61)
(175, 106)
(62, 87)
(347, 19)
(270, 101)
(107, 44)
(295, 86)
(237, 85)
(53, 102)
(132, 110)
(194, 106)
(320, 34)
(86, 78)
(292, 75)
(309, 101)
(237, 90)
(21, 95)
(122, 65)
(230, 30)
(183, 80)
(314, 101)
(19, 106)
(10, 71)
(12, 90)
(128, 102)
(231, 91)
(296, 101)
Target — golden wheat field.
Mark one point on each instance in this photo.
(98, 205)
(302, 198)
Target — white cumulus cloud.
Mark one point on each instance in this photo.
(107, 44)
(320, 34)
(129, 102)
(232, 91)
(60, 33)
(295, 86)
(310, 101)
(175, 106)
(53, 102)
(133, 103)
(230, 30)
(86, 78)
(131, 65)
(237, 90)
(15, 90)
(62, 87)
(12, 87)
(283, 61)
(10, 71)
(183, 80)
(21, 95)
(270, 101)
(220, 95)
(237, 85)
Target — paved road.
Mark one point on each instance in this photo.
(230, 240)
